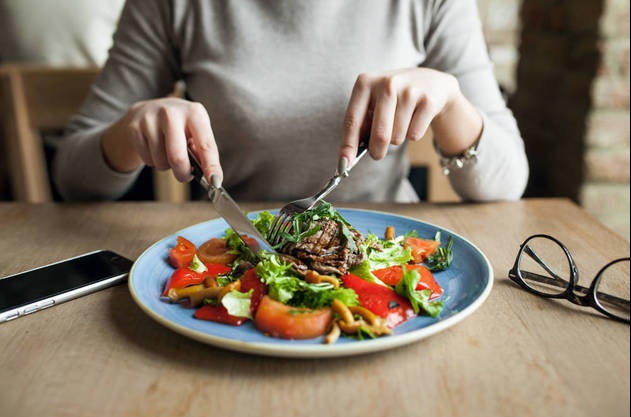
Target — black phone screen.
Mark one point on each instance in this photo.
(55, 279)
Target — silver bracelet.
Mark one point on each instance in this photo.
(469, 156)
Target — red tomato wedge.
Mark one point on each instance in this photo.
(279, 320)
(381, 300)
(215, 251)
(393, 275)
(182, 253)
(250, 281)
(218, 314)
(421, 248)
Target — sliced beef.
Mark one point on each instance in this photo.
(327, 251)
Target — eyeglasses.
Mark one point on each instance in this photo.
(545, 267)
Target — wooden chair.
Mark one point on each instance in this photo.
(34, 99)
(423, 155)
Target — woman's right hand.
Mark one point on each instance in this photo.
(157, 133)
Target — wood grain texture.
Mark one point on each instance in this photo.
(518, 355)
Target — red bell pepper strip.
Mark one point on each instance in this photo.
(392, 275)
(218, 314)
(381, 300)
(183, 277)
(250, 281)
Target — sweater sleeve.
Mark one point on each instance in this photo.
(455, 43)
(142, 64)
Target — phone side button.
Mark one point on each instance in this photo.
(46, 304)
(38, 306)
(12, 316)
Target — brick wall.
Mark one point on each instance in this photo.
(605, 191)
(565, 66)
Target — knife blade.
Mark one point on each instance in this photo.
(229, 210)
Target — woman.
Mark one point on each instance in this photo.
(279, 91)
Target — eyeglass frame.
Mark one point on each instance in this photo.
(589, 298)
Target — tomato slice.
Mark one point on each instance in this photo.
(182, 253)
(183, 277)
(218, 314)
(215, 251)
(381, 300)
(279, 320)
(392, 275)
(421, 248)
(250, 281)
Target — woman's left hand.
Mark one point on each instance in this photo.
(401, 105)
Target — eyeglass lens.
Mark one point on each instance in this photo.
(545, 266)
(614, 281)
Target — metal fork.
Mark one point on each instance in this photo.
(283, 221)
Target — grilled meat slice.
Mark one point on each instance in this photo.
(328, 251)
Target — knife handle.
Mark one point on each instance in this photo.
(196, 170)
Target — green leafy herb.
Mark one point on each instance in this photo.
(441, 258)
(305, 224)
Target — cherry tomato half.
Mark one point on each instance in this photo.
(182, 253)
(421, 248)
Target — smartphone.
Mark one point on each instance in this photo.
(36, 289)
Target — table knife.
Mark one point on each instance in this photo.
(229, 210)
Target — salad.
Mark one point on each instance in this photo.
(326, 278)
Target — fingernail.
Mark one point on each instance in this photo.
(342, 164)
(215, 181)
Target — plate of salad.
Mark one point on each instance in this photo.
(342, 282)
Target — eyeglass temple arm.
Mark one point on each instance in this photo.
(619, 302)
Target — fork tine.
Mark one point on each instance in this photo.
(278, 225)
(285, 228)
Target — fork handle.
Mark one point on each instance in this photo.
(342, 172)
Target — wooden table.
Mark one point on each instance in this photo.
(517, 355)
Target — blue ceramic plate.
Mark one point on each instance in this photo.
(467, 283)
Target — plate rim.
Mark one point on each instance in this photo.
(316, 350)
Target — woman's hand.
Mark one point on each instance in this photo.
(158, 133)
(401, 105)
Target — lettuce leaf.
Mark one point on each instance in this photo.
(238, 303)
(419, 299)
(286, 287)
(386, 253)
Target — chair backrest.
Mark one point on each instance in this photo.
(437, 186)
(40, 98)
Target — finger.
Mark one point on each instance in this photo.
(153, 139)
(140, 143)
(422, 118)
(172, 124)
(406, 103)
(355, 117)
(383, 120)
(201, 133)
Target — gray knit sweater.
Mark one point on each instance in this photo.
(275, 77)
